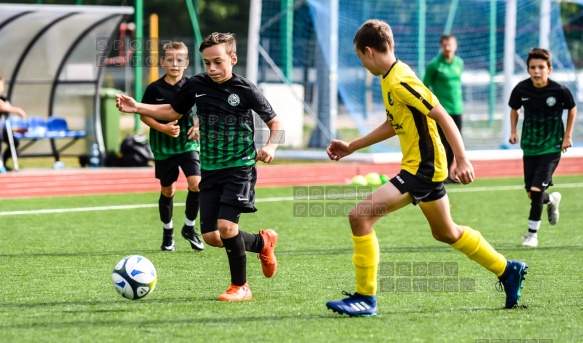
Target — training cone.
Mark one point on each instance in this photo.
(384, 178)
(359, 180)
(373, 179)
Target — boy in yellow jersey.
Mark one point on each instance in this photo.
(413, 113)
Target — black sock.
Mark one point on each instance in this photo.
(192, 205)
(235, 248)
(165, 207)
(536, 205)
(546, 198)
(253, 241)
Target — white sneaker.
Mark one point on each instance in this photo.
(553, 207)
(530, 241)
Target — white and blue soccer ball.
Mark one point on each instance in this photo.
(134, 277)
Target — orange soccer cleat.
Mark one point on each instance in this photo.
(267, 255)
(237, 293)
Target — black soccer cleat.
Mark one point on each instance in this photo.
(189, 233)
(168, 241)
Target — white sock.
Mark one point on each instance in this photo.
(534, 226)
(189, 222)
(168, 226)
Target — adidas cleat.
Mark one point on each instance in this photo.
(511, 281)
(356, 305)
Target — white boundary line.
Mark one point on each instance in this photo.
(274, 199)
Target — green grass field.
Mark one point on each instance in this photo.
(57, 256)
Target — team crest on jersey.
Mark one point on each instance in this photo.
(551, 101)
(234, 100)
(389, 98)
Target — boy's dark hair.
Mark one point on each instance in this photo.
(447, 37)
(217, 38)
(540, 54)
(375, 34)
(174, 46)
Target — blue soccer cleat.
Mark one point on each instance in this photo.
(356, 305)
(511, 281)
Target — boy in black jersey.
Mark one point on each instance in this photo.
(224, 104)
(174, 147)
(543, 135)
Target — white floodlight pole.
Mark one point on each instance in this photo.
(253, 40)
(509, 52)
(545, 24)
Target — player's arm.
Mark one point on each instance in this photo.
(513, 122)
(5, 106)
(464, 171)
(567, 136)
(339, 149)
(161, 112)
(171, 128)
(267, 152)
(429, 75)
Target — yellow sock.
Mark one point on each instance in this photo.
(366, 261)
(478, 249)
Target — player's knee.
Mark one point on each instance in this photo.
(168, 191)
(193, 188)
(448, 237)
(213, 239)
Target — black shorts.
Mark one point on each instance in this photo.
(167, 169)
(538, 170)
(420, 190)
(225, 194)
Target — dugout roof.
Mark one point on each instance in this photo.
(50, 59)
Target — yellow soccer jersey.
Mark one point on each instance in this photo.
(408, 101)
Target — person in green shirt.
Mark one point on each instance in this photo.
(443, 76)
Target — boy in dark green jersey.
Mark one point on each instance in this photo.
(544, 136)
(413, 114)
(174, 147)
(224, 104)
(443, 76)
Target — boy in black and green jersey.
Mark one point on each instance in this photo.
(443, 76)
(224, 104)
(174, 147)
(544, 136)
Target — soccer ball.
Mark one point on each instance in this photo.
(134, 277)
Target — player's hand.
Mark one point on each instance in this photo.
(194, 133)
(513, 138)
(338, 149)
(463, 171)
(126, 103)
(567, 143)
(171, 129)
(266, 154)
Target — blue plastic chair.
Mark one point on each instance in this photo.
(37, 128)
(57, 127)
(17, 125)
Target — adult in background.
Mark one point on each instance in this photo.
(5, 110)
(443, 76)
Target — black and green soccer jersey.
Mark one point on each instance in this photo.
(542, 128)
(162, 145)
(225, 115)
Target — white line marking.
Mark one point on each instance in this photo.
(274, 199)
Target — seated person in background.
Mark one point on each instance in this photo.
(5, 109)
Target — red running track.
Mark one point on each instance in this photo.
(50, 183)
